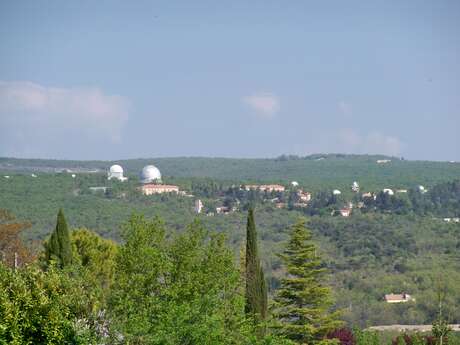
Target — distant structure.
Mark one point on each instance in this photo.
(398, 298)
(265, 187)
(115, 172)
(304, 196)
(355, 187)
(383, 161)
(150, 174)
(33, 175)
(151, 188)
(294, 184)
(336, 192)
(73, 175)
(198, 206)
(345, 212)
(422, 189)
(388, 191)
(151, 182)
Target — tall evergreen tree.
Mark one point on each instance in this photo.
(303, 302)
(59, 247)
(256, 288)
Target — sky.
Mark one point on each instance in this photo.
(131, 79)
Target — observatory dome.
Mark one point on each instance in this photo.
(116, 172)
(116, 169)
(150, 173)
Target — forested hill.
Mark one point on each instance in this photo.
(314, 171)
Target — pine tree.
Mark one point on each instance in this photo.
(59, 247)
(303, 302)
(256, 288)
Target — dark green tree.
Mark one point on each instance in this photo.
(58, 247)
(256, 289)
(303, 302)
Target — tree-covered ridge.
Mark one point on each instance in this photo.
(315, 172)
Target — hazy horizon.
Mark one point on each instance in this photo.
(116, 80)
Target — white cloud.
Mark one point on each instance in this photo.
(29, 111)
(266, 104)
(372, 142)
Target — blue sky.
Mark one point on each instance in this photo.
(109, 79)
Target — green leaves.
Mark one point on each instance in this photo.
(58, 247)
(302, 304)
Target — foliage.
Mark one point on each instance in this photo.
(12, 250)
(58, 248)
(256, 290)
(39, 307)
(414, 339)
(178, 291)
(344, 335)
(303, 302)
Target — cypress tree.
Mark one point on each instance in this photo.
(256, 289)
(59, 247)
(303, 302)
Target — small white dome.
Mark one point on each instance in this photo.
(336, 192)
(116, 169)
(150, 173)
(294, 183)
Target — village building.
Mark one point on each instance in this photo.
(150, 188)
(345, 212)
(388, 191)
(398, 298)
(304, 196)
(355, 187)
(280, 205)
(198, 206)
(265, 187)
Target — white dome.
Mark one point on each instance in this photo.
(150, 173)
(336, 192)
(294, 183)
(116, 169)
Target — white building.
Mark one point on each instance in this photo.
(336, 192)
(398, 298)
(198, 206)
(115, 172)
(150, 188)
(150, 174)
(388, 191)
(355, 187)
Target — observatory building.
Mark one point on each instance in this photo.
(116, 172)
(151, 182)
(150, 174)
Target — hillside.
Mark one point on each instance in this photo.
(377, 250)
(314, 172)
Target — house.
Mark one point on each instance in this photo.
(388, 191)
(223, 210)
(383, 161)
(198, 206)
(266, 187)
(345, 212)
(304, 196)
(398, 298)
(150, 188)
